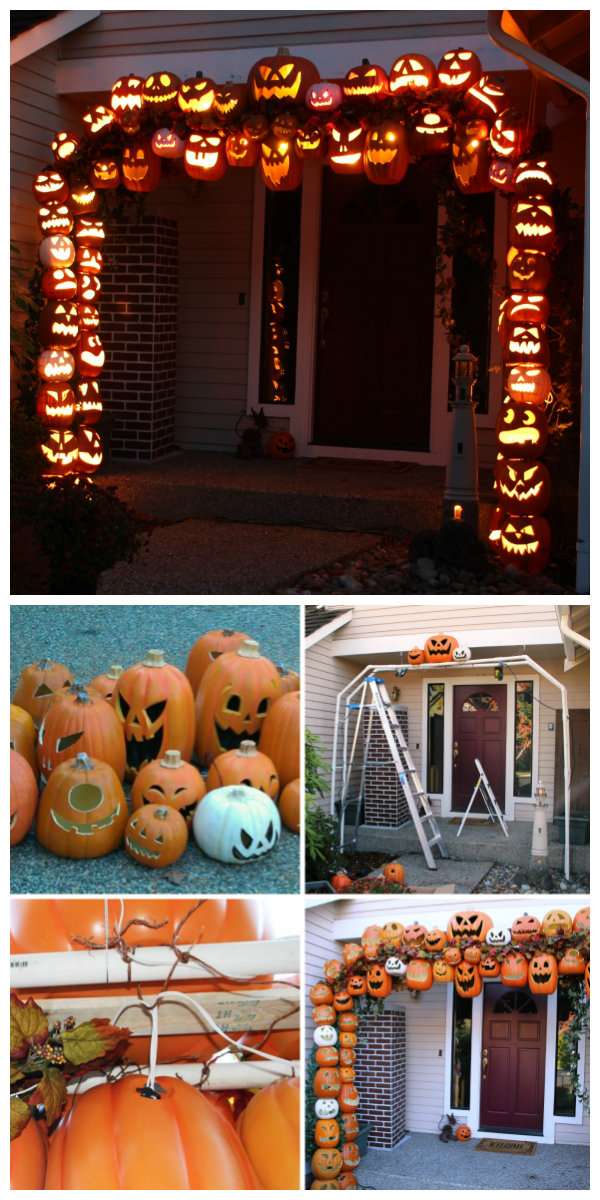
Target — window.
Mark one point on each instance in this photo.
(515, 1002)
(480, 702)
(281, 257)
(565, 1100)
(523, 777)
(462, 1021)
(435, 738)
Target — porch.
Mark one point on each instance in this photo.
(422, 1163)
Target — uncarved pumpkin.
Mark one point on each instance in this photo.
(28, 1155)
(37, 685)
(290, 680)
(78, 722)
(280, 737)
(82, 811)
(115, 1139)
(23, 797)
(270, 1131)
(209, 647)
(23, 735)
(233, 700)
(289, 806)
(246, 765)
(155, 704)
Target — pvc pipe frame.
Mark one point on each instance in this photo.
(223, 1077)
(518, 660)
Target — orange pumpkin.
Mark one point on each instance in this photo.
(392, 935)
(341, 881)
(557, 923)
(332, 969)
(442, 972)
(357, 985)
(581, 920)
(489, 967)
(543, 974)
(371, 941)
(269, 1128)
(156, 835)
(472, 954)
(342, 1001)
(439, 648)
(571, 963)
(452, 955)
(587, 980)
(82, 811)
(348, 1181)
(419, 975)
(232, 702)
(105, 683)
(280, 736)
(352, 953)
(514, 969)
(327, 1133)
(80, 722)
(393, 873)
(347, 1074)
(350, 1155)
(347, 1039)
(524, 928)
(23, 735)
(326, 1056)
(114, 1138)
(246, 765)
(28, 1155)
(321, 993)
(323, 1014)
(326, 1163)
(350, 1126)
(471, 924)
(434, 941)
(348, 1020)
(289, 680)
(169, 780)
(415, 657)
(327, 1082)
(467, 980)
(349, 1098)
(209, 647)
(324, 1185)
(38, 684)
(155, 705)
(289, 806)
(23, 797)
(462, 1133)
(415, 934)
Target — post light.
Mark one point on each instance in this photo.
(539, 839)
(461, 496)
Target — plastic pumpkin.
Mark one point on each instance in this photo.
(587, 980)
(462, 1133)
(499, 937)
(345, 147)
(236, 824)
(524, 928)
(581, 920)
(514, 969)
(166, 143)
(280, 736)
(470, 156)
(472, 954)
(419, 975)
(154, 702)
(50, 185)
(105, 683)
(269, 1128)
(528, 269)
(54, 216)
(321, 993)
(283, 79)
(525, 543)
(28, 1157)
(349, 1098)
(415, 934)
(415, 657)
(507, 134)
(557, 923)
(379, 983)
(528, 384)
(467, 979)
(327, 1132)
(327, 1056)
(371, 940)
(245, 765)
(62, 282)
(209, 647)
(280, 166)
(195, 98)
(159, 93)
(431, 132)
(332, 969)
(486, 97)
(55, 366)
(392, 935)
(60, 452)
(82, 811)
(351, 953)
(113, 1138)
(489, 967)
(385, 156)
(232, 701)
(23, 797)
(156, 835)
(204, 154)
(169, 780)
(59, 324)
(350, 1155)
(458, 70)
(79, 721)
(367, 82)
(357, 985)
(571, 963)
(289, 806)
(521, 430)
(434, 940)
(324, 97)
(412, 74)
(326, 1163)
(442, 972)
(543, 974)
(230, 100)
(439, 648)
(22, 735)
(532, 225)
(326, 1082)
(533, 175)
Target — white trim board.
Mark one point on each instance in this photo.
(521, 636)
(337, 622)
(47, 32)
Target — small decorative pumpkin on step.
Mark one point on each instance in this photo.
(23, 797)
(237, 824)
(155, 704)
(280, 736)
(82, 811)
(156, 835)
(232, 702)
(171, 781)
(80, 721)
(394, 873)
(245, 765)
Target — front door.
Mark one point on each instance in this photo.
(513, 1061)
(376, 311)
(479, 731)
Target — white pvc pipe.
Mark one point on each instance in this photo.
(241, 960)
(224, 1077)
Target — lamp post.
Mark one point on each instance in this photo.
(461, 494)
(539, 839)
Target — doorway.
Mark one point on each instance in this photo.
(513, 1061)
(478, 731)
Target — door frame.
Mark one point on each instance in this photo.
(510, 801)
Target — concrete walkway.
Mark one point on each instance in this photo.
(424, 1163)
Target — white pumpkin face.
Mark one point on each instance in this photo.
(461, 654)
(498, 937)
(325, 1108)
(325, 1035)
(395, 966)
(236, 824)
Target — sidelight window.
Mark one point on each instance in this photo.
(462, 1024)
(435, 738)
(280, 297)
(523, 738)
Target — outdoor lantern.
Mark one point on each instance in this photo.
(525, 543)
(84, 197)
(507, 134)
(324, 97)
(240, 150)
(366, 82)
(56, 251)
(55, 405)
(55, 366)
(345, 147)
(539, 831)
(532, 223)
(89, 231)
(470, 156)
(412, 74)
(432, 131)
(159, 93)
(61, 282)
(88, 286)
(204, 156)
(283, 79)
(385, 156)
(88, 405)
(526, 343)
(59, 324)
(59, 449)
(50, 185)
(523, 485)
(65, 145)
(89, 450)
(90, 355)
(55, 217)
(140, 167)
(521, 430)
(533, 175)
(98, 119)
(458, 70)
(230, 100)
(486, 97)
(195, 98)
(280, 167)
(166, 143)
(126, 96)
(528, 385)
(105, 173)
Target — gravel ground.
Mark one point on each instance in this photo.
(505, 878)
(88, 638)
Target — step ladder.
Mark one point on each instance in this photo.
(483, 788)
(375, 702)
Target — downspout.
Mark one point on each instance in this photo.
(569, 633)
(578, 85)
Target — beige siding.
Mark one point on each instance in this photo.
(425, 1057)
(319, 945)
(324, 678)
(419, 620)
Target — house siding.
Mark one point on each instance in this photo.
(419, 620)
(569, 1133)
(319, 945)
(324, 677)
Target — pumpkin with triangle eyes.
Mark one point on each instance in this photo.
(156, 836)
(524, 543)
(542, 974)
(345, 146)
(54, 216)
(327, 1132)
(82, 812)
(557, 923)
(230, 100)
(78, 721)
(357, 985)
(310, 139)
(237, 824)
(467, 979)
(521, 430)
(88, 405)
(327, 1082)
(169, 780)
(528, 269)
(532, 225)
(90, 231)
(528, 384)
(528, 306)
(439, 648)
(526, 343)
(280, 166)
(489, 967)
(283, 79)
(431, 132)
(507, 134)
(240, 150)
(89, 450)
(419, 975)
(458, 70)
(385, 156)
(379, 983)
(159, 93)
(195, 98)
(38, 684)
(413, 75)
(59, 451)
(55, 405)
(59, 324)
(572, 962)
(365, 82)
(89, 259)
(56, 366)
(141, 168)
(470, 924)
(523, 486)
(155, 704)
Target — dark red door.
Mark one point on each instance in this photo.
(375, 316)
(479, 731)
(513, 1060)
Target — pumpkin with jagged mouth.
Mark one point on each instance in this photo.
(386, 154)
(55, 217)
(50, 183)
(543, 974)
(98, 119)
(230, 100)
(56, 405)
(522, 430)
(533, 175)
(88, 405)
(126, 95)
(366, 82)
(532, 223)
(196, 97)
(525, 542)
(413, 73)
(169, 781)
(527, 342)
(528, 269)
(523, 486)
(282, 78)
(59, 324)
(82, 813)
(160, 91)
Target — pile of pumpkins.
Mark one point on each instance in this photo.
(235, 708)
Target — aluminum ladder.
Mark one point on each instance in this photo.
(483, 788)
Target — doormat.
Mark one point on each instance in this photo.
(471, 821)
(497, 1146)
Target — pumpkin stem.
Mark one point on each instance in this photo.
(171, 759)
(247, 749)
(249, 649)
(155, 658)
(83, 761)
(114, 671)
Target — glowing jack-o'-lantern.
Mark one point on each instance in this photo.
(98, 119)
(526, 343)
(324, 97)
(204, 156)
(523, 487)
(159, 92)
(524, 543)
(105, 173)
(89, 259)
(89, 231)
(528, 385)
(467, 979)
(156, 836)
(195, 98)
(432, 131)
(82, 812)
(88, 405)
(84, 198)
(90, 355)
(59, 450)
(61, 282)
(412, 74)
(528, 306)
(528, 270)
(89, 448)
(65, 145)
(88, 286)
(59, 324)
(56, 251)
(55, 366)
(521, 430)
(379, 983)
(440, 648)
(283, 79)
(280, 167)
(507, 134)
(542, 974)
(500, 174)
(345, 147)
(166, 143)
(532, 223)
(365, 82)
(141, 168)
(385, 156)
(50, 185)
(486, 97)
(240, 150)
(458, 70)
(55, 405)
(310, 142)
(470, 156)
(55, 217)
(155, 703)
(126, 96)
(533, 175)
(230, 100)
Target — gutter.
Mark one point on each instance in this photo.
(575, 83)
(568, 632)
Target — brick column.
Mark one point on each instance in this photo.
(384, 798)
(381, 1076)
(138, 311)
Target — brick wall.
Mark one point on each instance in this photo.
(381, 1076)
(384, 799)
(138, 311)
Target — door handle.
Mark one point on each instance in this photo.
(484, 1064)
(455, 753)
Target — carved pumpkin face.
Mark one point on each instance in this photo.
(533, 175)
(498, 937)
(514, 969)
(357, 985)
(89, 450)
(347, 1057)
(55, 405)
(324, 1014)
(419, 975)
(434, 940)
(59, 449)
(543, 974)
(532, 223)
(321, 993)
(472, 924)
(327, 1082)
(126, 96)
(366, 82)
(171, 781)
(470, 157)
(324, 97)
(581, 921)
(352, 953)
(415, 657)
(327, 1132)
(467, 979)
(349, 1098)
(528, 306)
(59, 324)
(526, 343)
(159, 92)
(528, 270)
(230, 100)
(50, 185)
(327, 1107)
(452, 955)
(525, 543)
(395, 966)
(349, 1020)
(240, 150)
(392, 934)
(393, 872)
(310, 140)
(432, 131)
(521, 430)
(156, 836)
(89, 259)
(65, 145)
(348, 1039)
(442, 972)
(507, 134)
(523, 487)
(345, 147)
(379, 983)
(462, 654)
(557, 923)
(342, 1001)
(195, 98)
(105, 173)
(458, 70)
(204, 156)
(283, 79)
(90, 355)
(97, 119)
(166, 143)
(500, 174)
(83, 810)
(141, 168)
(60, 282)
(486, 97)
(385, 156)
(332, 969)
(415, 934)
(280, 167)
(327, 1056)
(325, 1034)
(472, 954)
(350, 1126)
(489, 967)
(528, 385)
(412, 74)
(56, 366)
(326, 1164)
(350, 1155)
(88, 405)
(233, 699)
(56, 251)
(571, 963)
(440, 648)
(155, 704)
(55, 217)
